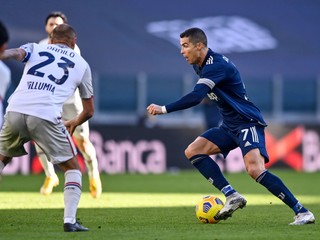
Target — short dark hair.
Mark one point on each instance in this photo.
(195, 35)
(4, 35)
(56, 14)
(63, 32)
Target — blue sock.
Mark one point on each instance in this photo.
(211, 171)
(277, 188)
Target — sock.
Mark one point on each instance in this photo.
(211, 171)
(72, 193)
(278, 189)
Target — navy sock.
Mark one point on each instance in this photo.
(211, 171)
(277, 188)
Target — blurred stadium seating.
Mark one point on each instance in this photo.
(132, 47)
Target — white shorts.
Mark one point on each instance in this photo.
(71, 108)
(53, 139)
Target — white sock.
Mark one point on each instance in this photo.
(72, 193)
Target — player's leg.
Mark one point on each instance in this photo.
(56, 142)
(3, 162)
(72, 194)
(72, 108)
(13, 136)
(255, 166)
(81, 136)
(198, 152)
(51, 179)
(255, 157)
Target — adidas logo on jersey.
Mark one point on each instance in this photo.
(247, 144)
(210, 60)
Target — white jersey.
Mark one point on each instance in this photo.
(5, 79)
(74, 99)
(51, 75)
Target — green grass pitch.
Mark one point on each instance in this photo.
(155, 207)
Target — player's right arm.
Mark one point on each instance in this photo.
(191, 99)
(86, 94)
(86, 114)
(14, 53)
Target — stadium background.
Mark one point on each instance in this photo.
(131, 47)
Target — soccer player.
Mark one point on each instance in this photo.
(52, 73)
(5, 74)
(71, 108)
(242, 126)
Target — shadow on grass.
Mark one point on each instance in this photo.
(252, 222)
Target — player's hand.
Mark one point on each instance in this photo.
(70, 126)
(154, 109)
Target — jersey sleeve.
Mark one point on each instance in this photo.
(191, 99)
(29, 49)
(85, 87)
(213, 74)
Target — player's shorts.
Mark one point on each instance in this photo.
(247, 137)
(1, 111)
(53, 139)
(71, 108)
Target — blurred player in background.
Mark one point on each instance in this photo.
(242, 126)
(71, 108)
(52, 73)
(5, 73)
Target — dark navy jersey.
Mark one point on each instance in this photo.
(220, 80)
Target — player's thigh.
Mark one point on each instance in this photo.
(201, 145)
(253, 137)
(70, 110)
(220, 139)
(254, 162)
(53, 139)
(81, 132)
(72, 107)
(69, 165)
(13, 135)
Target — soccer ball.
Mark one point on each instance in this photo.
(207, 209)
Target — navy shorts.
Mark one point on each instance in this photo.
(247, 137)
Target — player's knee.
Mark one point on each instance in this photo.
(189, 152)
(254, 163)
(252, 172)
(254, 169)
(71, 164)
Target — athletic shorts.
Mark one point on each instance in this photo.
(1, 112)
(247, 137)
(53, 139)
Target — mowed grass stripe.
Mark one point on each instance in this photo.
(27, 200)
(155, 207)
